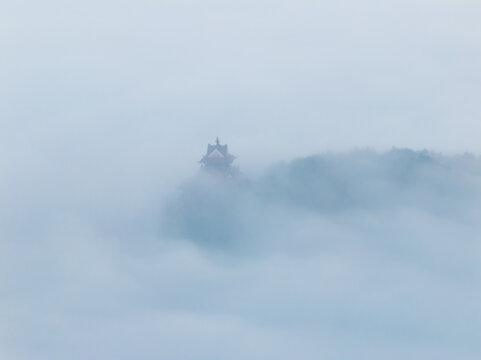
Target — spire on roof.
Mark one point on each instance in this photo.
(217, 140)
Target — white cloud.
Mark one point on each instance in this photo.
(105, 105)
(317, 263)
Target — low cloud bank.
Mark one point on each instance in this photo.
(360, 255)
(214, 211)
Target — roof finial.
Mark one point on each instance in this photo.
(217, 140)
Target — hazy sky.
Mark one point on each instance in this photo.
(108, 252)
(275, 79)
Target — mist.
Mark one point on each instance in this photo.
(351, 230)
(362, 254)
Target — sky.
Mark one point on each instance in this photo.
(276, 78)
(353, 233)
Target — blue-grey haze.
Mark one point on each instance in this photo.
(362, 254)
(338, 241)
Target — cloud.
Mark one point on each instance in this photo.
(211, 209)
(376, 252)
(362, 254)
(366, 254)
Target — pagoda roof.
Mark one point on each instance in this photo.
(217, 154)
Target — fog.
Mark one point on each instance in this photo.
(360, 254)
(352, 230)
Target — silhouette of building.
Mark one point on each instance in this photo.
(217, 158)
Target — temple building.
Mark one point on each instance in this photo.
(217, 158)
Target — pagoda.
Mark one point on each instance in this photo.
(217, 158)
